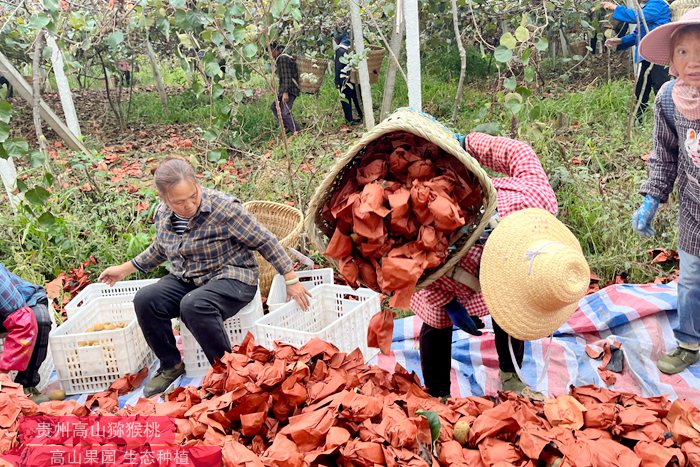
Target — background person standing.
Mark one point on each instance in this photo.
(348, 90)
(288, 89)
(655, 13)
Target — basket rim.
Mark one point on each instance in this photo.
(418, 124)
(289, 211)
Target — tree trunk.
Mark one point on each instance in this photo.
(116, 107)
(156, 74)
(564, 43)
(365, 87)
(36, 90)
(63, 87)
(463, 61)
(395, 55)
(413, 54)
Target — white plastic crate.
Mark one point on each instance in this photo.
(338, 314)
(310, 279)
(92, 368)
(124, 289)
(237, 326)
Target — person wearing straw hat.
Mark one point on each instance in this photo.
(654, 13)
(208, 238)
(526, 269)
(676, 156)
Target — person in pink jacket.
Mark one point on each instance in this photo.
(25, 317)
(448, 301)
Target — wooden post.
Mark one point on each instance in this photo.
(156, 74)
(8, 173)
(395, 55)
(63, 86)
(463, 61)
(25, 90)
(36, 91)
(413, 54)
(365, 87)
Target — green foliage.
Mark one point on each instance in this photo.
(579, 136)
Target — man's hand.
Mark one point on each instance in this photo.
(299, 293)
(114, 274)
(609, 6)
(613, 43)
(285, 97)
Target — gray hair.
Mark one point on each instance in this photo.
(172, 171)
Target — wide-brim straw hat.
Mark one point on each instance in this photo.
(656, 46)
(533, 274)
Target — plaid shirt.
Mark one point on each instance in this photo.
(670, 161)
(288, 75)
(218, 243)
(15, 293)
(525, 186)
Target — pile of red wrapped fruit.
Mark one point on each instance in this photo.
(316, 406)
(397, 211)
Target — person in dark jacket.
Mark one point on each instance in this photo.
(348, 91)
(5, 82)
(288, 91)
(24, 316)
(656, 13)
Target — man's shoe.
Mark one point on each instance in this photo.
(511, 382)
(163, 379)
(677, 361)
(35, 395)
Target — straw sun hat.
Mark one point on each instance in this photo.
(656, 46)
(533, 273)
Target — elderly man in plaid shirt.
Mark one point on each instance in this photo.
(288, 89)
(208, 238)
(450, 300)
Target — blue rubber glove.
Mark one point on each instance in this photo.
(460, 318)
(644, 215)
(461, 138)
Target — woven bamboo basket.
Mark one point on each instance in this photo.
(313, 67)
(681, 7)
(285, 222)
(418, 124)
(374, 65)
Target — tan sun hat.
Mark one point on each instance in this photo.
(533, 273)
(656, 46)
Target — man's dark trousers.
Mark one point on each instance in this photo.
(202, 309)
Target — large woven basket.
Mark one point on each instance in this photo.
(374, 65)
(681, 7)
(312, 67)
(320, 232)
(285, 222)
